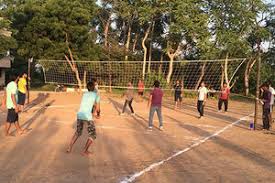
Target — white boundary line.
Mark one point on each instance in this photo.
(134, 176)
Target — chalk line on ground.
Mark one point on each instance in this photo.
(134, 176)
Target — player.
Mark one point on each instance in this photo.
(266, 98)
(129, 97)
(224, 97)
(84, 115)
(271, 89)
(140, 88)
(202, 96)
(154, 102)
(22, 91)
(10, 102)
(178, 93)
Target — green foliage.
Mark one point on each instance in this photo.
(150, 78)
(207, 29)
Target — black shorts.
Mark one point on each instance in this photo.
(178, 97)
(140, 93)
(91, 128)
(12, 116)
(21, 98)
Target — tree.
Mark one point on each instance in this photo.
(7, 42)
(41, 28)
(188, 24)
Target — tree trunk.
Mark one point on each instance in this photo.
(72, 64)
(78, 79)
(74, 68)
(222, 75)
(247, 72)
(172, 57)
(145, 51)
(226, 69)
(246, 80)
(160, 65)
(85, 79)
(135, 42)
(150, 49)
(201, 76)
(128, 41)
(106, 32)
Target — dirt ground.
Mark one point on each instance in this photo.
(124, 146)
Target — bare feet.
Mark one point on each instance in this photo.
(8, 135)
(86, 153)
(69, 150)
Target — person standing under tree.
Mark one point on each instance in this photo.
(22, 91)
(129, 97)
(224, 97)
(84, 115)
(154, 102)
(266, 106)
(178, 93)
(10, 102)
(202, 96)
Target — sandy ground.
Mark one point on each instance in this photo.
(124, 146)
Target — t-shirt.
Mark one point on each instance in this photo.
(177, 89)
(272, 95)
(202, 92)
(22, 83)
(157, 95)
(86, 106)
(225, 94)
(267, 98)
(129, 93)
(140, 87)
(11, 90)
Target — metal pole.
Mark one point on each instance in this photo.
(29, 78)
(257, 90)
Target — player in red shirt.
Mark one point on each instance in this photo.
(140, 88)
(224, 96)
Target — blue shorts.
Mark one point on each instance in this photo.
(21, 98)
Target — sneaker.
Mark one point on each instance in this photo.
(122, 114)
(133, 114)
(161, 128)
(219, 110)
(150, 128)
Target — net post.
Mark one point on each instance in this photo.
(29, 78)
(257, 90)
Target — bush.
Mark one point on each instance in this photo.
(152, 77)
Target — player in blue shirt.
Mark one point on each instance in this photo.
(84, 115)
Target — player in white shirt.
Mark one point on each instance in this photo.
(202, 96)
(272, 100)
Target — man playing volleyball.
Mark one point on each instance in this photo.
(129, 97)
(155, 101)
(178, 93)
(84, 115)
(202, 96)
(224, 96)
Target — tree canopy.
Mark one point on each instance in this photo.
(138, 30)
